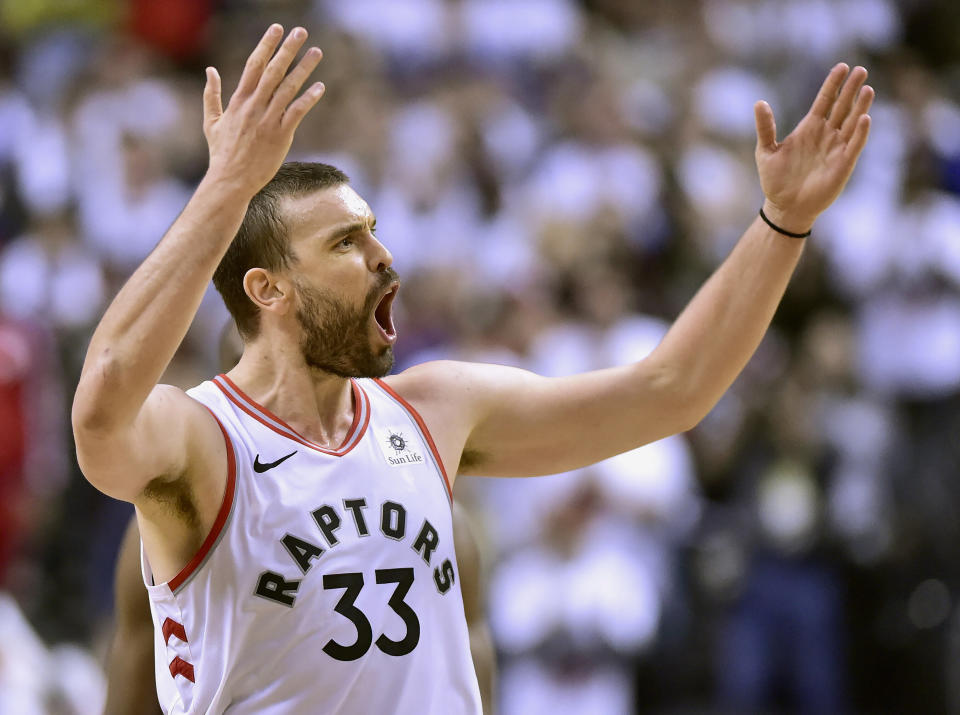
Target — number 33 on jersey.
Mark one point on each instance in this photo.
(334, 567)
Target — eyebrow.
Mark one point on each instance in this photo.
(348, 228)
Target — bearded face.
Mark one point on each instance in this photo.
(337, 337)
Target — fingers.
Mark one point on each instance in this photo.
(841, 108)
(828, 92)
(278, 66)
(859, 139)
(294, 81)
(766, 126)
(864, 100)
(212, 106)
(257, 62)
(298, 110)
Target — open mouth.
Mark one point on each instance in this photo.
(383, 315)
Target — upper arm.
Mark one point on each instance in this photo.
(168, 436)
(511, 422)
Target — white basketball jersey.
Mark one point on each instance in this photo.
(328, 583)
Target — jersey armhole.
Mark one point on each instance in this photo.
(216, 531)
(423, 429)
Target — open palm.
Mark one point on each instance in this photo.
(250, 139)
(802, 175)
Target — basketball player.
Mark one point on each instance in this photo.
(294, 513)
(131, 682)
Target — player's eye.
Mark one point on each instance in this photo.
(345, 242)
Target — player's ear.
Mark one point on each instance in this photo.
(268, 291)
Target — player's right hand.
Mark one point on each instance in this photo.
(250, 139)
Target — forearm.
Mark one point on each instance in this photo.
(146, 322)
(148, 319)
(719, 330)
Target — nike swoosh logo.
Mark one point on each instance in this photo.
(259, 467)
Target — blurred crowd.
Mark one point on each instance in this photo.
(554, 178)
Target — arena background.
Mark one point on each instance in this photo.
(554, 179)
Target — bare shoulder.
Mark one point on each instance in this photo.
(428, 378)
(450, 390)
(451, 397)
(170, 437)
(170, 397)
(200, 427)
(464, 384)
(191, 438)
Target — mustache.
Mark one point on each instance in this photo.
(384, 278)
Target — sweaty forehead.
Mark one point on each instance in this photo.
(321, 212)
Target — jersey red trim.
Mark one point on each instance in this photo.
(361, 406)
(222, 515)
(257, 417)
(423, 428)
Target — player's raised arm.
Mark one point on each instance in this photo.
(520, 424)
(128, 431)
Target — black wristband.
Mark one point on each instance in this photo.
(776, 228)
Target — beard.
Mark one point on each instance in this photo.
(336, 336)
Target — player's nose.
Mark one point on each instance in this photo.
(380, 258)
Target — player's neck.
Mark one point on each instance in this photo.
(316, 404)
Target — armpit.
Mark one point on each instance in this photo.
(471, 459)
(176, 497)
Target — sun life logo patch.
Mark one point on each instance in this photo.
(397, 442)
(399, 449)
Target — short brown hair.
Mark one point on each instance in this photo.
(262, 240)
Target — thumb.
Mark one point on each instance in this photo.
(212, 107)
(766, 127)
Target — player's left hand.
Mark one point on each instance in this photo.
(802, 175)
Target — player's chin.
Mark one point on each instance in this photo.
(382, 363)
(379, 360)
